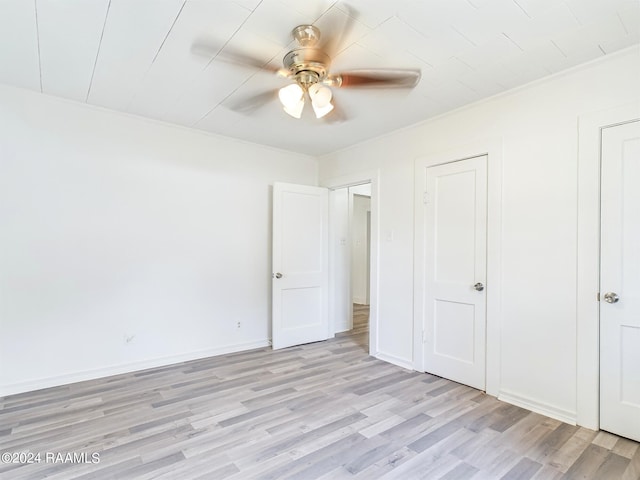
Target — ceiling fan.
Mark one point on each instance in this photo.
(308, 68)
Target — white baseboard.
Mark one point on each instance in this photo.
(400, 362)
(537, 406)
(28, 386)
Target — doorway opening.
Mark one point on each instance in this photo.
(351, 211)
(360, 236)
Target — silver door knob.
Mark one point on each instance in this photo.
(611, 297)
(479, 287)
(277, 275)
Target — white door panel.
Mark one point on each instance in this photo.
(300, 265)
(620, 275)
(302, 242)
(453, 334)
(454, 221)
(455, 224)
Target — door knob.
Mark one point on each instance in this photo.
(277, 275)
(611, 297)
(479, 287)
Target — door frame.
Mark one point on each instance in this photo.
(352, 180)
(491, 147)
(588, 258)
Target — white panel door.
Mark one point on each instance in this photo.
(455, 239)
(300, 265)
(620, 281)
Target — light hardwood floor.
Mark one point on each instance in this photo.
(320, 411)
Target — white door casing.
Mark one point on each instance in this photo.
(300, 265)
(620, 276)
(455, 244)
(340, 306)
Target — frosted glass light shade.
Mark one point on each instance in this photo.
(295, 110)
(320, 95)
(321, 111)
(290, 95)
(292, 99)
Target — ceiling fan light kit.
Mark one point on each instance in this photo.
(292, 99)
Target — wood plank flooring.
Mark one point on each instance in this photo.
(360, 320)
(319, 411)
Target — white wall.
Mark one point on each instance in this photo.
(127, 243)
(538, 128)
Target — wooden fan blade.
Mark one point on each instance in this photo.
(375, 79)
(239, 58)
(253, 103)
(229, 55)
(335, 116)
(335, 31)
(202, 48)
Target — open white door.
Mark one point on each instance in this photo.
(453, 300)
(300, 265)
(620, 281)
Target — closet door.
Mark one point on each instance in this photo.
(455, 258)
(620, 281)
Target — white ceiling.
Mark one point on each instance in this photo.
(137, 56)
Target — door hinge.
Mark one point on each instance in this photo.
(598, 296)
(425, 198)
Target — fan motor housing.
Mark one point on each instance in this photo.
(307, 62)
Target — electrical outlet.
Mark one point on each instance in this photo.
(238, 325)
